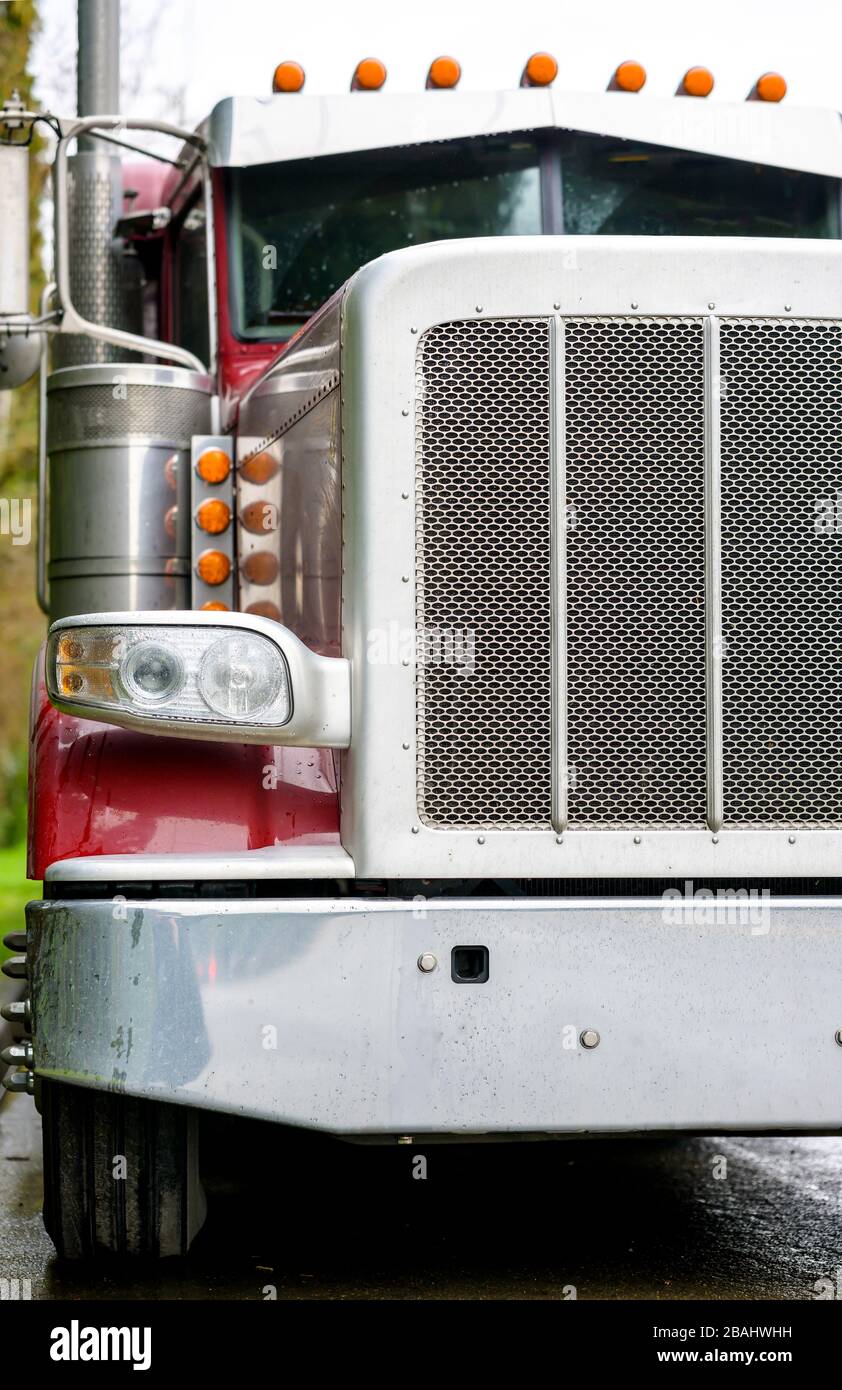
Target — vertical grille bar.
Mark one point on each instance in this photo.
(558, 597)
(713, 577)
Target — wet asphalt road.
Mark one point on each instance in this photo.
(625, 1219)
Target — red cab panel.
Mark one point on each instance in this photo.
(95, 789)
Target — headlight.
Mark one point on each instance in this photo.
(185, 673)
(215, 675)
(240, 676)
(151, 671)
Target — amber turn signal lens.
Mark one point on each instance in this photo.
(70, 650)
(213, 567)
(540, 70)
(630, 77)
(698, 82)
(444, 72)
(214, 607)
(214, 516)
(259, 468)
(92, 679)
(213, 466)
(288, 77)
(771, 87)
(369, 76)
(264, 609)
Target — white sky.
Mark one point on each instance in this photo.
(207, 49)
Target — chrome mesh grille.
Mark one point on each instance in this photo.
(482, 574)
(637, 447)
(635, 463)
(781, 451)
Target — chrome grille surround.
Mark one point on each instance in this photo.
(386, 311)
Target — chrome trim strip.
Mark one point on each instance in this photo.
(713, 578)
(558, 581)
(84, 566)
(135, 374)
(210, 243)
(125, 443)
(274, 862)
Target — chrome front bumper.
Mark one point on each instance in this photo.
(316, 1013)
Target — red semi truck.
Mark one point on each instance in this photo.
(439, 732)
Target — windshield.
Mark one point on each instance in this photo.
(615, 187)
(299, 230)
(302, 229)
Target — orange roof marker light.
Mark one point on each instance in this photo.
(696, 82)
(369, 75)
(288, 77)
(444, 72)
(770, 87)
(540, 71)
(628, 77)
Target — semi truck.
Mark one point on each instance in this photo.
(438, 735)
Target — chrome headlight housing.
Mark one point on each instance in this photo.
(200, 675)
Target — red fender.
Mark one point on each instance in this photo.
(95, 789)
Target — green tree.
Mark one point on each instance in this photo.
(21, 623)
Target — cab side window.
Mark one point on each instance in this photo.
(191, 284)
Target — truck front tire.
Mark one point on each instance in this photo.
(121, 1175)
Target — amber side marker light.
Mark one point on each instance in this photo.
(628, 77)
(259, 468)
(214, 606)
(213, 567)
(213, 466)
(260, 518)
(265, 609)
(541, 70)
(261, 567)
(444, 72)
(770, 87)
(288, 77)
(696, 82)
(369, 75)
(214, 516)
